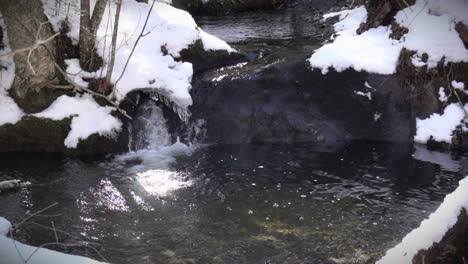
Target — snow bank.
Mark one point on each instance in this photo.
(431, 230)
(5, 226)
(10, 112)
(88, 117)
(432, 32)
(14, 252)
(168, 32)
(10, 251)
(374, 51)
(440, 127)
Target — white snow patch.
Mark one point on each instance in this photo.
(458, 85)
(442, 96)
(10, 112)
(10, 251)
(168, 30)
(440, 127)
(5, 226)
(368, 94)
(367, 85)
(372, 51)
(456, 9)
(211, 42)
(162, 182)
(442, 40)
(88, 118)
(431, 230)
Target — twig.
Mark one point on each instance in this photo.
(136, 43)
(80, 88)
(32, 215)
(55, 232)
(32, 47)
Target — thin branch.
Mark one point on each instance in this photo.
(136, 43)
(34, 46)
(32, 215)
(80, 88)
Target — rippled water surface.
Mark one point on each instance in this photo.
(285, 24)
(231, 203)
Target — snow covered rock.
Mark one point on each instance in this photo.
(446, 227)
(5, 226)
(373, 50)
(58, 120)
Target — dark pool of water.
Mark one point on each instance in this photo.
(231, 203)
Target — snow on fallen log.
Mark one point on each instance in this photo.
(431, 231)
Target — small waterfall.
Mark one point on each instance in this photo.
(149, 129)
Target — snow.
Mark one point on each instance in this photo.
(10, 251)
(457, 9)
(211, 42)
(88, 118)
(10, 112)
(5, 226)
(368, 94)
(442, 41)
(431, 230)
(458, 85)
(442, 96)
(14, 252)
(372, 51)
(168, 29)
(440, 127)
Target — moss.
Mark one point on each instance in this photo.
(32, 134)
(37, 99)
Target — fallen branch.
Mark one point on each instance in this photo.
(84, 89)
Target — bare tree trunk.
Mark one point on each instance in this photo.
(89, 26)
(85, 26)
(110, 66)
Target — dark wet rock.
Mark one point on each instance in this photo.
(203, 60)
(280, 99)
(32, 134)
(453, 248)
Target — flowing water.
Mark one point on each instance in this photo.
(257, 203)
(230, 203)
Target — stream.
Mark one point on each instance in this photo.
(231, 203)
